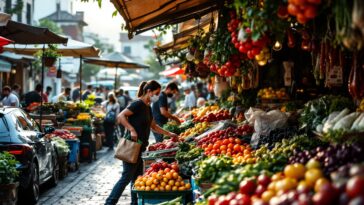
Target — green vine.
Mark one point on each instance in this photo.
(17, 9)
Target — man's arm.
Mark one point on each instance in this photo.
(167, 114)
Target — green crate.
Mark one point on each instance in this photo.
(154, 197)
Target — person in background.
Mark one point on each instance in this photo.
(16, 90)
(128, 98)
(138, 119)
(99, 96)
(190, 98)
(202, 90)
(87, 92)
(201, 102)
(9, 98)
(123, 102)
(65, 96)
(160, 108)
(110, 105)
(76, 94)
(48, 92)
(33, 96)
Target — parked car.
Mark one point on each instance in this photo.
(20, 135)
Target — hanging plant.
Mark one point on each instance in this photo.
(49, 55)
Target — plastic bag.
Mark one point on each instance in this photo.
(252, 113)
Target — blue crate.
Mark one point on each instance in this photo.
(152, 197)
(74, 145)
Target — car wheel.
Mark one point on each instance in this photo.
(34, 185)
(55, 173)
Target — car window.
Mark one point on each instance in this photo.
(24, 125)
(4, 125)
(14, 120)
(31, 123)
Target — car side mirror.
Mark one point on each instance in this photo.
(49, 129)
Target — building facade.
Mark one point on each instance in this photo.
(135, 47)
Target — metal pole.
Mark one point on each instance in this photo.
(80, 72)
(41, 92)
(116, 75)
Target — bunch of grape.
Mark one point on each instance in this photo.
(331, 157)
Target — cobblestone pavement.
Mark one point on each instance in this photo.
(90, 185)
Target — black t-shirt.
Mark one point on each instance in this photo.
(141, 120)
(162, 102)
(31, 97)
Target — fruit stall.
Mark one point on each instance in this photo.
(287, 124)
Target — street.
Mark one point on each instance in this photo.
(90, 185)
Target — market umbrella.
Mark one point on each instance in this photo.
(72, 49)
(115, 60)
(144, 15)
(25, 34)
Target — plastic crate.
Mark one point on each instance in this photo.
(153, 197)
(74, 145)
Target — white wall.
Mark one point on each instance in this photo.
(43, 8)
(137, 49)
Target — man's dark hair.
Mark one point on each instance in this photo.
(89, 87)
(16, 86)
(121, 92)
(67, 90)
(49, 88)
(38, 88)
(6, 88)
(172, 86)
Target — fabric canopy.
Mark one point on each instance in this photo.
(173, 71)
(26, 34)
(115, 60)
(186, 31)
(144, 15)
(4, 41)
(72, 49)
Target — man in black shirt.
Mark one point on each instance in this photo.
(160, 108)
(33, 96)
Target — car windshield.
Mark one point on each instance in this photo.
(4, 127)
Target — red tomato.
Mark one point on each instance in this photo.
(250, 55)
(255, 51)
(315, 1)
(301, 18)
(310, 12)
(223, 147)
(237, 141)
(237, 148)
(231, 140)
(230, 145)
(299, 2)
(292, 9)
(242, 49)
(216, 146)
(225, 142)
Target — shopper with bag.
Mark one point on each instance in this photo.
(137, 118)
(111, 108)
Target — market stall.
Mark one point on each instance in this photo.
(286, 126)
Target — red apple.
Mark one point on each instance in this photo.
(247, 187)
(355, 186)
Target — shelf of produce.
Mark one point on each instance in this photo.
(74, 130)
(157, 197)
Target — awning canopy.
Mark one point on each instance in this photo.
(143, 15)
(115, 60)
(72, 49)
(172, 71)
(25, 34)
(15, 58)
(4, 41)
(187, 30)
(5, 66)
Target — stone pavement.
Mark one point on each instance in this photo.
(90, 185)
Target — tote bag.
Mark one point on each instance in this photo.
(128, 150)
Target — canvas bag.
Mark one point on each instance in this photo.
(128, 150)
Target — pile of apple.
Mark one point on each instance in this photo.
(166, 144)
(303, 10)
(214, 116)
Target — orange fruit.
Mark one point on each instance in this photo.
(166, 170)
(154, 175)
(156, 189)
(177, 184)
(142, 188)
(165, 179)
(161, 188)
(168, 188)
(175, 175)
(179, 179)
(160, 172)
(182, 183)
(155, 181)
(182, 188)
(147, 188)
(159, 176)
(163, 184)
(171, 182)
(153, 186)
(168, 176)
(174, 188)
(149, 182)
(188, 186)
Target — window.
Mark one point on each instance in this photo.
(4, 125)
(7, 6)
(29, 13)
(127, 50)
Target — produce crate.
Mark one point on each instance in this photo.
(203, 186)
(63, 166)
(73, 159)
(153, 197)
